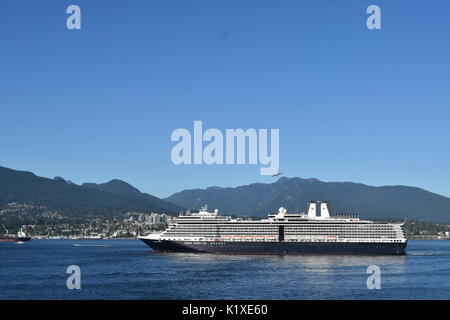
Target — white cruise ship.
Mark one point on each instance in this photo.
(280, 233)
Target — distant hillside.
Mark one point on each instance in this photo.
(258, 199)
(115, 186)
(114, 196)
(120, 187)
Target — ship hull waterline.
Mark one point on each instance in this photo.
(15, 239)
(278, 248)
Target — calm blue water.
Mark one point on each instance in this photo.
(128, 269)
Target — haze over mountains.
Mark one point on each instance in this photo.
(258, 199)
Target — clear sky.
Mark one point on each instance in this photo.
(351, 104)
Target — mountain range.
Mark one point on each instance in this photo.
(108, 198)
(259, 199)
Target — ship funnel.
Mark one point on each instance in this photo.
(311, 210)
(325, 210)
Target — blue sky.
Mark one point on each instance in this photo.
(351, 104)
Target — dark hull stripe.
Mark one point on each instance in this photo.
(277, 248)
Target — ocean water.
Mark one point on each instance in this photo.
(128, 269)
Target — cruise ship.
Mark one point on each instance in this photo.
(313, 232)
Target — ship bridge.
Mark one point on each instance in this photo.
(203, 215)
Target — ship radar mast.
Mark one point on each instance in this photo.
(281, 212)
